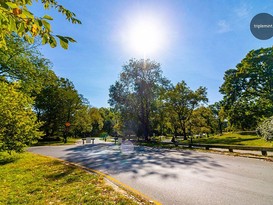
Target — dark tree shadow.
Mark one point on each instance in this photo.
(66, 171)
(6, 158)
(142, 162)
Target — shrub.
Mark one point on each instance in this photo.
(19, 126)
(265, 129)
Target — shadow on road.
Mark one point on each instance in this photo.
(143, 162)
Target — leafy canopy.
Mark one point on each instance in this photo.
(135, 92)
(180, 102)
(15, 17)
(23, 62)
(248, 89)
(56, 104)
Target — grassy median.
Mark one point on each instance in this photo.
(32, 179)
(235, 139)
(70, 141)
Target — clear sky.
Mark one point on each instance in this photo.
(200, 40)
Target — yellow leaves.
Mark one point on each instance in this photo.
(18, 121)
(34, 30)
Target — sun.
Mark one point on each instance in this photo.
(146, 36)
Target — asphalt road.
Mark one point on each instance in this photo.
(177, 177)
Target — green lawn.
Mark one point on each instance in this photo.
(70, 141)
(32, 179)
(233, 139)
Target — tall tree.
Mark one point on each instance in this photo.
(87, 121)
(83, 121)
(56, 105)
(135, 92)
(220, 115)
(203, 121)
(109, 120)
(248, 89)
(161, 119)
(16, 17)
(180, 102)
(97, 121)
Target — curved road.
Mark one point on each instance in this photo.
(177, 177)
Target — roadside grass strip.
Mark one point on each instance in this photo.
(70, 141)
(33, 179)
(234, 139)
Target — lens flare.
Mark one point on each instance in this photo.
(146, 36)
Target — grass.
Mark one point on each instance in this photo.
(234, 139)
(32, 179)
(70, 141)
(243, 139)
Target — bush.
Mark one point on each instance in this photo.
(19, 127)
(265, 129)
(103, 134)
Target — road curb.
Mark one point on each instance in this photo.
(226, 153)
(111, 179)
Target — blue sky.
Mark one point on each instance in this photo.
(202, 39)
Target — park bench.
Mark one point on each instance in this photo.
(88, 140)
(115, 138)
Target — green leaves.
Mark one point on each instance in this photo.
(45, 38)
(52, 42)
(247, 89)
(70, 39)
(57, 104)
(19, 126)
(15, 17)
(135, 92)
(64, 41)
(265, 129)
(12, 25)
(180, 102)
(11, 5)
(29, 39)
(47, 17)
(46, 25)
(23, 62)
(28, 14)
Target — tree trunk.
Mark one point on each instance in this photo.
(183, 127)
(184, 133)
(146, 130)
(220, 127)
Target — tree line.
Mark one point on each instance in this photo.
(149, 103)
(37, 104)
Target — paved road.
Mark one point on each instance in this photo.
(177, 177)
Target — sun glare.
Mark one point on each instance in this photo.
(146, 36)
